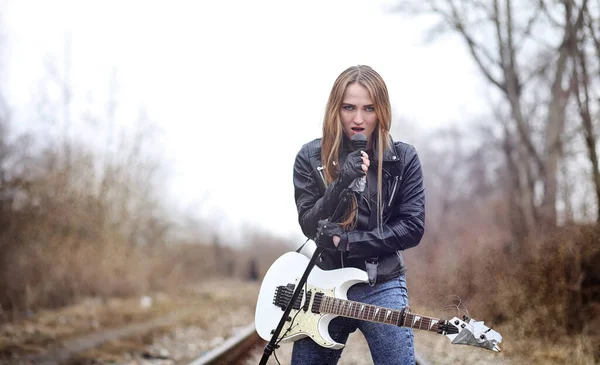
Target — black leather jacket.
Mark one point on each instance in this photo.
(403, 208)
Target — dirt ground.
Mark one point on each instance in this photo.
(158, 328)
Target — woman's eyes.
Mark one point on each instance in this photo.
(351, 108)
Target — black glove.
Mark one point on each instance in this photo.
(325, 232)
(352, 169)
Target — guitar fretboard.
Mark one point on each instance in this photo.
(372, 313)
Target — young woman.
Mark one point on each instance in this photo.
(365, 229)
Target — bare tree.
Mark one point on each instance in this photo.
(527, 70)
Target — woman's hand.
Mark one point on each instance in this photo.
(331, 236)
(356, 165)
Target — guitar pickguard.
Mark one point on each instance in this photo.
(306, 323)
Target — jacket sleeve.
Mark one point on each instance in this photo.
(310, 204)
(405, 227)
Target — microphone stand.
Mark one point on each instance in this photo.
(272, 344)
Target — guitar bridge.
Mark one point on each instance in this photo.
(283, 295)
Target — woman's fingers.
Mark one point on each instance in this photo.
(366, 162)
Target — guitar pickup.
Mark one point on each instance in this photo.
(316, 307)
(307, 301)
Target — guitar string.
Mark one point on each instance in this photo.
(331, 303)
(457, 304)
(336, 306)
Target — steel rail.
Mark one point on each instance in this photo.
(232, 349)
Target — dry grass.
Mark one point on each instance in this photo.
(544, 299)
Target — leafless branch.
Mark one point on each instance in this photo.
(543, 67)
(553, 22)
(595, 39)
(474, 48)
(510, 45)
(528, 28)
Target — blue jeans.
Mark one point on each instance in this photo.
(388, 344)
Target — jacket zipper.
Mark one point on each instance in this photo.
(320, 170)
(393, 191)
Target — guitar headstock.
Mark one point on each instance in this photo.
(468, 331)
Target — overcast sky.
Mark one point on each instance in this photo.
(236, 86)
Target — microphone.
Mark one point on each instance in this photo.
(359, 142)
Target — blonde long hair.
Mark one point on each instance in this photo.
(331, 142)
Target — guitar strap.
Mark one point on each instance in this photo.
(371, 265)
(300, 248)
(371, 262)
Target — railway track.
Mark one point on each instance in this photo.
(245, 346)
(234, 350)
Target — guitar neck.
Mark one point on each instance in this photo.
(372, 313)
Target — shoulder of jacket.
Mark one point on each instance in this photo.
(402, 148)
(312, 148)
(405, 151)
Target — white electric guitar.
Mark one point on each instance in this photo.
(324, 298)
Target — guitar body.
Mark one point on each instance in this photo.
(289, 269)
